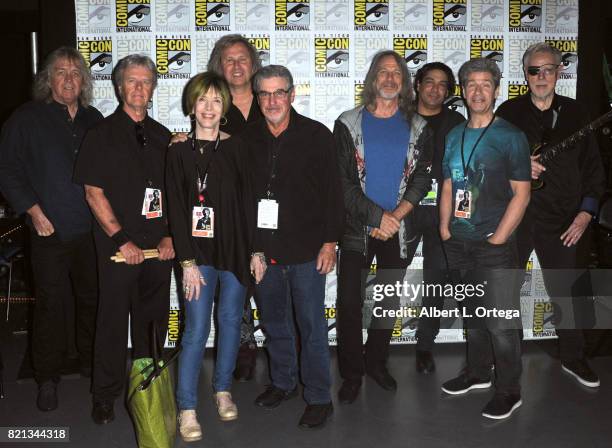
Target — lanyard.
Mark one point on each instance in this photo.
(464, 165)
(202, 179)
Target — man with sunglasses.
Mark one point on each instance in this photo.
(121, 165)
(560, 212)
(299, 221)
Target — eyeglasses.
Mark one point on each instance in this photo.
(279, 94)
(140, 134)
(546, 69)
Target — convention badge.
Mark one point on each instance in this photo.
(203, 222)
(431, 198)
(152, 205)
(267, 214)
(463, 204)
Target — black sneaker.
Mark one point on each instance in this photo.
(463, 384)
(581, 370)
(316, 415)
(274, 396)
(502, 406)
(47, 396)
(349, 391)
(103, 412)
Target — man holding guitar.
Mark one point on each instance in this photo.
(561, 210)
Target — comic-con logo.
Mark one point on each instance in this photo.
(332, 57)
(410, 15)
(371, 15)
(173, 58)
(487, 16)
(174, 325)
(448, 49)
(301, 102)
(413, 49)
(99, 57)
(133, 15)
(331, 15)
(358, 92)
(262, 45)
(490, 48)
(569, 56)
(293, 52)
(543, 318)
(449, 15)
(93, 16)
(172, 16)
(251, 15)
(212, 15)
(292, 15)
(516, 88)
(525, 16)
(455, 101)
(562, 16)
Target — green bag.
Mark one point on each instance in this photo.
(151, 400)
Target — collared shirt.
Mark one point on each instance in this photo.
(306, 184)
(113, 159)
(38, 149)
(236, 121)
(575, 179)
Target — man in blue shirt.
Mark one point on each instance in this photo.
(486, 190)
(395, 144)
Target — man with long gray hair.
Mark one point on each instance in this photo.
(385, 135)
(38, 149)
(122, 165)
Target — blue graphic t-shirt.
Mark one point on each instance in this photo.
(501, 156)
(386, 144)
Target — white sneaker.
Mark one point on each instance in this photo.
(226, 407)
(188, 426)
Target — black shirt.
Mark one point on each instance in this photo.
(38, 149)
(235, 120)
(306, 185)
(575, 179)
(113, 159)
(228, 191)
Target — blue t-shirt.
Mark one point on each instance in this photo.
(501, 156)
(386, 144)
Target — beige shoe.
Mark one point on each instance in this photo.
(226, 407)
(188, 426)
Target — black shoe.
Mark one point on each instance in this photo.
(103, 412)
(273, 397)
(316, 415)
(502, 406)
(47, 396)
(425, 362)
(245, 362)
(383, 378)
(581, 370)
(463, 383)
(349, 391)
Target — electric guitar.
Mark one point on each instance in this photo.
(552, 152)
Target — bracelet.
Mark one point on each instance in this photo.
(120, 238)
(188, 263)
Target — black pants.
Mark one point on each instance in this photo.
(62, 271)
(435, 271)
(353, 269)
(489, 340)
(559, 269)
(141, 292)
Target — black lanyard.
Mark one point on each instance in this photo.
(201, 182)
(464, 165)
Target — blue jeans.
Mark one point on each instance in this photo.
(197, 329)
(299, 288)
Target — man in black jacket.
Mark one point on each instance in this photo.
(396, 145)
(561, 211)
(433, 84)
(39, 146)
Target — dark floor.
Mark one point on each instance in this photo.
(556, 411)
